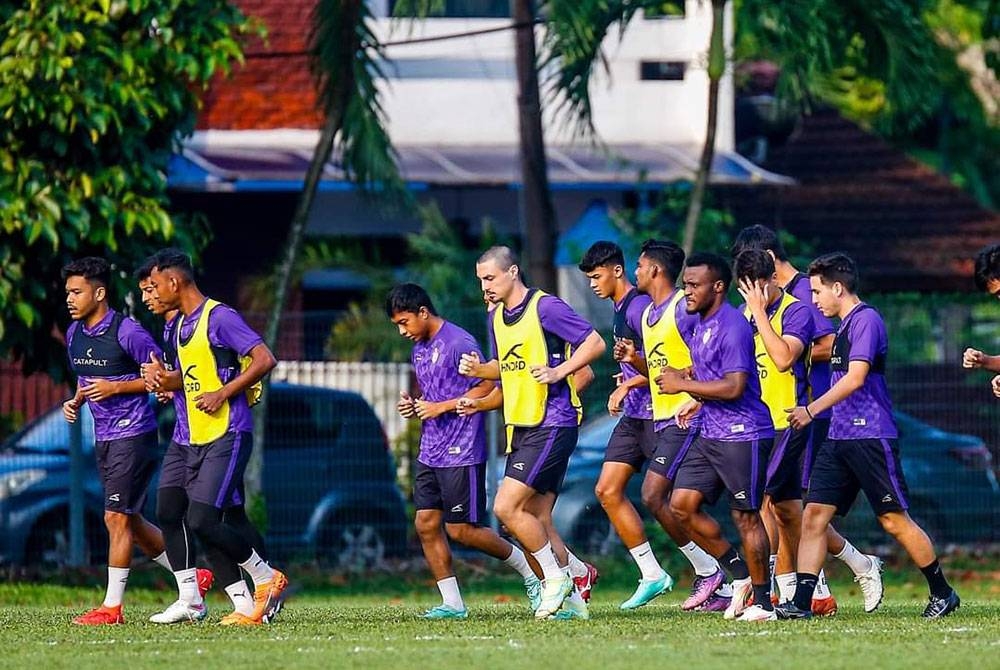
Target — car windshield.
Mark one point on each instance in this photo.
(50, 434)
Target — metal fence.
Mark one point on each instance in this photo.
(338, 459)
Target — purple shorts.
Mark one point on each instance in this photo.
(712, 466)
(539, 456)
(459, 492)
(215, 470)
(126, 466)
(845, 467)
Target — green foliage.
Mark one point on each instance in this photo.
(94, 96)
(664, 219)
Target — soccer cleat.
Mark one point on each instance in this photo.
(445, 612)
(647, 590)
(824, 606)
(205, 580)
(554, 592)
(790, 611)
(742, 592)
(533, 589)
(871, 584)
(101, 616)
(715, 603)
(757, 613)
(267, 598)
(180, 612)
(941, 607)
(703, 588)
(586, 583)
(237, 619)
(571, 609)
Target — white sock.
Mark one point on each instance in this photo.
(547, 560)
(726, 590)
(187, 586)
(450, 594)
(822, 588)
(163, 560)
(855, 560)
(704, 564)
(517, 561)
(786, 586)
(646, 560)
(117, 579)
(240, 596)
(258, 569)
(577, 568)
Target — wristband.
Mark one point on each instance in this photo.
(811, 417)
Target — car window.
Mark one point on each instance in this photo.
(51, 433)
(307, 417)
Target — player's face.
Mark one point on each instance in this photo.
(645, 270)
(701, 289)
(497, 284)
(83, 297)
(825, 296)
(603, 280)
(412, 325)
(164, 288)
(151, 303)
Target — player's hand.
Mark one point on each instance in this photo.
(996, 386)
(466, 406)
(686, 413)
(71, 410)
(99, 389)
(153, 372)
(973, 358)
(624, 350)
(755, 296)
(543, 374)
(670, 380)
(426, 410)
(211, 402)
(798, 417)
(405, 406)
(469, 364)
(163, 397)
(616, 400)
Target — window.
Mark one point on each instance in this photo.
(657, 70)
(478, 9)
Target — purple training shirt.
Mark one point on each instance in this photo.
(182, 433)
(638, 403)
(819, 373)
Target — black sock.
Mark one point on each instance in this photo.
(762, 596)
(939, 586)
(734, 565)
(805, 585)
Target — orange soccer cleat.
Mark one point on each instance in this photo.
(267, 598)
(101, 616)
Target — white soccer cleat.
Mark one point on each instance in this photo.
(757, 613)
(180, 611)
(742, 590)
(554, 592)
(871, 584)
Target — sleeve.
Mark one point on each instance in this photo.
(797, 322)
(737, 349)
(466, 345)
(633, 317)
(139, 344)
(227, 328)
(866, 336)
(559, 319)
(491, 337)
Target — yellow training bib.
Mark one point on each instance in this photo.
(199, 374)
(777, 389)
(664, 347)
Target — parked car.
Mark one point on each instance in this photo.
(329, 483)
(953, 490)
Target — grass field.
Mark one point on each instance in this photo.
(372, 622)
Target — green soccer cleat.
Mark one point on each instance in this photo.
(572, 610)
(533, 589)
(445, 612)
(647, 590)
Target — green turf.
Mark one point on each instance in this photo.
(372, 623)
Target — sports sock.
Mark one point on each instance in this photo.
(822, 588)
(450, 594)
(704, 563)
(117, 579)
(938, 585)
(577, 568)
(805, 586)
(517, 561)
(762, 596)
(547, 560)
(725, 591)
(772, 560)
(258, 569)
(240, 596)
(187, 586)
(734, 565)
(855, 560)
(646, 560)
(786, 586)
(163, 561)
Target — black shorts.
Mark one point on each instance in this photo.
(459, 492)
(126, 466)
(215, 470)
(785, 467)
(844, 467)
(539, 456)
(711, 466)
(821, 427)
(672, 445)
(632, 442)
(174, 468)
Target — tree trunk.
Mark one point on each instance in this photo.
(716, 69)
(537, 211)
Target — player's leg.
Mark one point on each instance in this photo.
(429, 520)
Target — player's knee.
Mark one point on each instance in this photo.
(653, 498)
(116, 521)
(170, 507)
(609, 495)
(203, 520)
(460, 532)
(746, 520)
(788, 513)
(505, 509)
(814, 523)
(895, 523)
(426, 524)
(680, 511)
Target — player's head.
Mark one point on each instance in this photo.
(410, 308)
(833, 278)
(86, 281)
(146, 287)
(757, 267)
(706, 280)
(171, 273)
(987, 274)
(759, 237)
(659, 260)
(604, 265)
(498, 273)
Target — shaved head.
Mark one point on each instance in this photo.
(502, 255)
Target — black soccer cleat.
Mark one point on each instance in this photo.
(788, 610)
(939, 607)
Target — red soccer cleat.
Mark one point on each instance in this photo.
(101, 616)
(205, 580)
(586, 583)
(824, 606)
